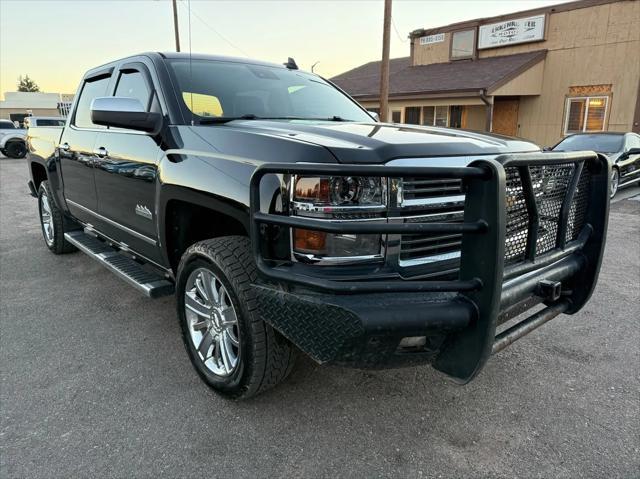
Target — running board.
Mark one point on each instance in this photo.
(153, 285)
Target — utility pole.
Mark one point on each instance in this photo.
(384, 67)
(175, 25)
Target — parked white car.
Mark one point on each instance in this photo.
(12, 140)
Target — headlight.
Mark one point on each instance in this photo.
(340, 191)
(338, 198)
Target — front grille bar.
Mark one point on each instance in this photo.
(353, 227)
(532, 210)
(561, 237)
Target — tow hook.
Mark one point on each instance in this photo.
(550, 290)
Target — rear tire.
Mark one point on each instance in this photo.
(15, 149)
(243, 356)
(52, 222)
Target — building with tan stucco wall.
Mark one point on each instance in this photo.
(538, 74)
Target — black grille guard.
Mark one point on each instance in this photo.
(484, 280)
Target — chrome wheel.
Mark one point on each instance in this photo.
(46, 218)
(212, 322)
(615, 180)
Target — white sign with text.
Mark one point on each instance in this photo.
(437, 38)
(511, 32)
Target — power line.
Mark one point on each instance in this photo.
(216, 31)
(397, 33)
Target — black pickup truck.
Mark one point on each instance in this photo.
(285, 217)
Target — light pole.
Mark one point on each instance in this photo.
(384, 67)
(175, 25)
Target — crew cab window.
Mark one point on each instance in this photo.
(90, 91)
(7, 125)
(133, 85)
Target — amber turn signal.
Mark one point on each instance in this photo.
(308, 241)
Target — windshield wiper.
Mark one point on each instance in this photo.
(225, 119)
(307, 118)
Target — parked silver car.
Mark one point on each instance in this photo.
(12, 140)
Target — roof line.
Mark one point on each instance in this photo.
(542, 54)
(560, 7)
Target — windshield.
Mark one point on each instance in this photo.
(600, 143)
(210, 89)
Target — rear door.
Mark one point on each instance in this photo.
(77, 151)
(126, 169)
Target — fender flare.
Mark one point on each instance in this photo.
(171, 192)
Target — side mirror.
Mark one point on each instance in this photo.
(546, 148)
(375, 116)
(633, 151)
(121, 112)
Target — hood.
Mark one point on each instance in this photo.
(352, 142)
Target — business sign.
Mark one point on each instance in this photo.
(437, 38)
(511, 32)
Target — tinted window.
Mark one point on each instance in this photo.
(133, 85)
(7, 125)
(50, 122)
(238, 89)
(90, 90)
(599, 143)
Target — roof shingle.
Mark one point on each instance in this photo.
(462, 75)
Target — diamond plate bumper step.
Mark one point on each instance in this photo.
(151, 284)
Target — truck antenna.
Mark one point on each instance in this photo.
(190, 65)
(291, 64)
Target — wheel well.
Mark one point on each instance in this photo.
(38, 173)
(187, 223)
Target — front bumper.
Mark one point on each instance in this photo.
(363, 323)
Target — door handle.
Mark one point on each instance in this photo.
(101, 152)
(65, 147)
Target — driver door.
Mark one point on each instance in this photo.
(126, 171)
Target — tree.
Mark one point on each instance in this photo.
(27, 84)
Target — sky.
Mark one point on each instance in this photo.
(55, 42)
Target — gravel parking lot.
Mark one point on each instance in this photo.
(96, 383)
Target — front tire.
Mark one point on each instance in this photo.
(52, 222)
(615, 182)
(233, 350)
(15, 149)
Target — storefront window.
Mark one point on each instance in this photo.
(463, 44)
(395, 116)
(435, 115)
(412, 115)
(428, 113)
(586, 114)
(442, 115)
